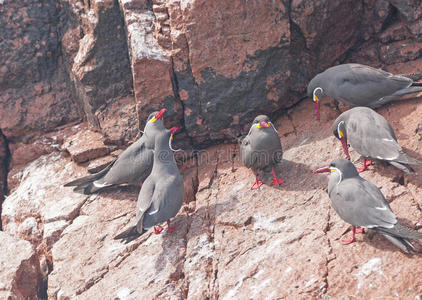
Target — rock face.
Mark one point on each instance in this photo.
(232, 242)
(214, 65)
(20, 277)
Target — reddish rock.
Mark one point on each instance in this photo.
(20, 277)
(119, 121)
(96, 55)
(85, 145)
(38, 201)
(98, 164)
(151, 63)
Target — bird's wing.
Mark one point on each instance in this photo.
(132, 165)
(360, 203)
(362, 85)
(166, 201)
(246, 152)
(371, 136)
(145, 199)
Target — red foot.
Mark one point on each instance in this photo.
(366, 163)
(360, 230)
(352, 239)
(349, 241)
(158, 229)
(276, 180)
(170, 228)
(257, 183)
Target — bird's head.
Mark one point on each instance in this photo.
(340, 132)
(261, 122)
(315, 91)
(157, 115)
(340, 167)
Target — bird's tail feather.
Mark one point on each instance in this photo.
(83, 182)
(88, 188)
(409, 160)
(403, 167)
(410, 90)
(401, 232)
(399, 242)
(413, 76)
(129, 235)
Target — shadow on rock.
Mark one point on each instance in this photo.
(190, 225)
(296, 176)
(396, 175)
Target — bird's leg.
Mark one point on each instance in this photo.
(257, 183)
(352, 239)
(170, 228)
(360, 230)
(276, 180)
(158, 229)
(366, 163)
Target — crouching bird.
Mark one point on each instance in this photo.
(131, 167)
(261, 149)
(360, 85)
(372, 137)
(162, 193)
(361, 203)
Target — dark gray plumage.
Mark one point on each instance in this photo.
(162, 193)
(361, 203)
(261, 148)
(131, 167)
(372, 137)
(360, 85)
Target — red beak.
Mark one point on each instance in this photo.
(316, 107)
(160, 114)
(321, 170)
(345, 148)
(174, 129)
(265, 124)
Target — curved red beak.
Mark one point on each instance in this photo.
(174, 129)
(265, 124)
(345, 148)
(160, 114)
(321, 170)
(316, 108)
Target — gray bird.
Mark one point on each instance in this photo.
(372, 137)
(359, 85)
(131, 167)
(261, 149)
(162, 193)
(361, 203)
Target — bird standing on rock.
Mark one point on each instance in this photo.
(132, 166)
(361, 203)
(359, 85)
(162, 193)
(372, 137)
(261, 149)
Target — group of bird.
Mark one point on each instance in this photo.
(149, 162)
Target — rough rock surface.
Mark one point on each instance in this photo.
(20, 276)
(214, 65)
(232, 242)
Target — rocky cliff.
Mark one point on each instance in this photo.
(78, 78)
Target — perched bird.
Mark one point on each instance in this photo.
(261, 149)
(131, 167)
(359, 85)
(372, 137)
(162, 193)
(361, 203)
